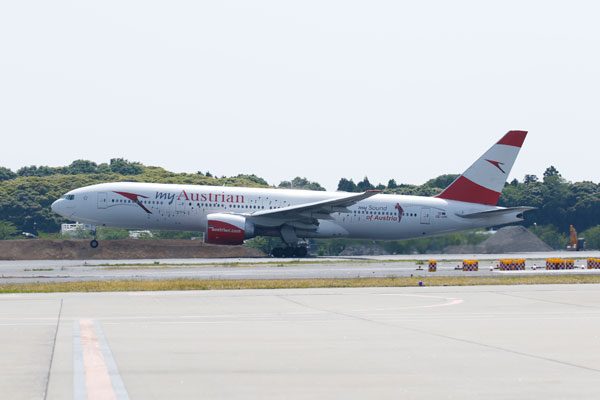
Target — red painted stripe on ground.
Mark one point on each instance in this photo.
(97, 379)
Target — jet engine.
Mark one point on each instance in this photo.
(227, 229)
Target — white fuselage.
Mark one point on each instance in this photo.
(185, 207)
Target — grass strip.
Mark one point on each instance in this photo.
(196, 284)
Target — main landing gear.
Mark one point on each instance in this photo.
(294, 246)
(289, 252)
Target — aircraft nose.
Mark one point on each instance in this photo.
(57, 206)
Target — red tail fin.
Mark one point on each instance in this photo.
(483, 182)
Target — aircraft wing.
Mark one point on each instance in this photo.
(309, 212)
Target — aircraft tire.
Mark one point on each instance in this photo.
(289, 252)
(277, 252)
(300, 252)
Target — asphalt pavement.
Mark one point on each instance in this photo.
(523, 342)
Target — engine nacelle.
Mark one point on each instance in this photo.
(227, 229)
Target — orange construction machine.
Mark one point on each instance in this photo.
(575, 243)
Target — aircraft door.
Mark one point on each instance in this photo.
(425, 216)
(102, 200)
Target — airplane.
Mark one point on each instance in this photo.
(230, 215)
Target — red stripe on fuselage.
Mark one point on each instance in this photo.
(466, 190)
(514, 138)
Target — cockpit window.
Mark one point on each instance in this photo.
(69, 197)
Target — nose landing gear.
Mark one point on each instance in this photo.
(94, 243)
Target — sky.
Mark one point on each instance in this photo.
(321, 89)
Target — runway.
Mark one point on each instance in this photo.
(269, 268)
(525, 342)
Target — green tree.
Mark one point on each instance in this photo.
(392, 184)
(104, 168)
(304, 183)
(104, 233)
(82, 167)
(252, 178)
(442, 181)
(559, 203)
(364, 185)
(592, 238)
(6, 174)
(530, 179)
(124, 167)
(7, 230)
(42, 170)
(346, 185)
(551, 236)
(551, 171)
(301, 183)
(583, 209)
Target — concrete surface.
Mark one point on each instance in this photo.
(526, 342)
(266, 268)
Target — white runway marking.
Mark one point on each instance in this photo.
(449, 301)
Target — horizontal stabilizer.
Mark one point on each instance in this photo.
(498, 212)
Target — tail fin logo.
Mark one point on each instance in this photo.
(497, 164)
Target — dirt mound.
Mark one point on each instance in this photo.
(510, 239)
(118, 249)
